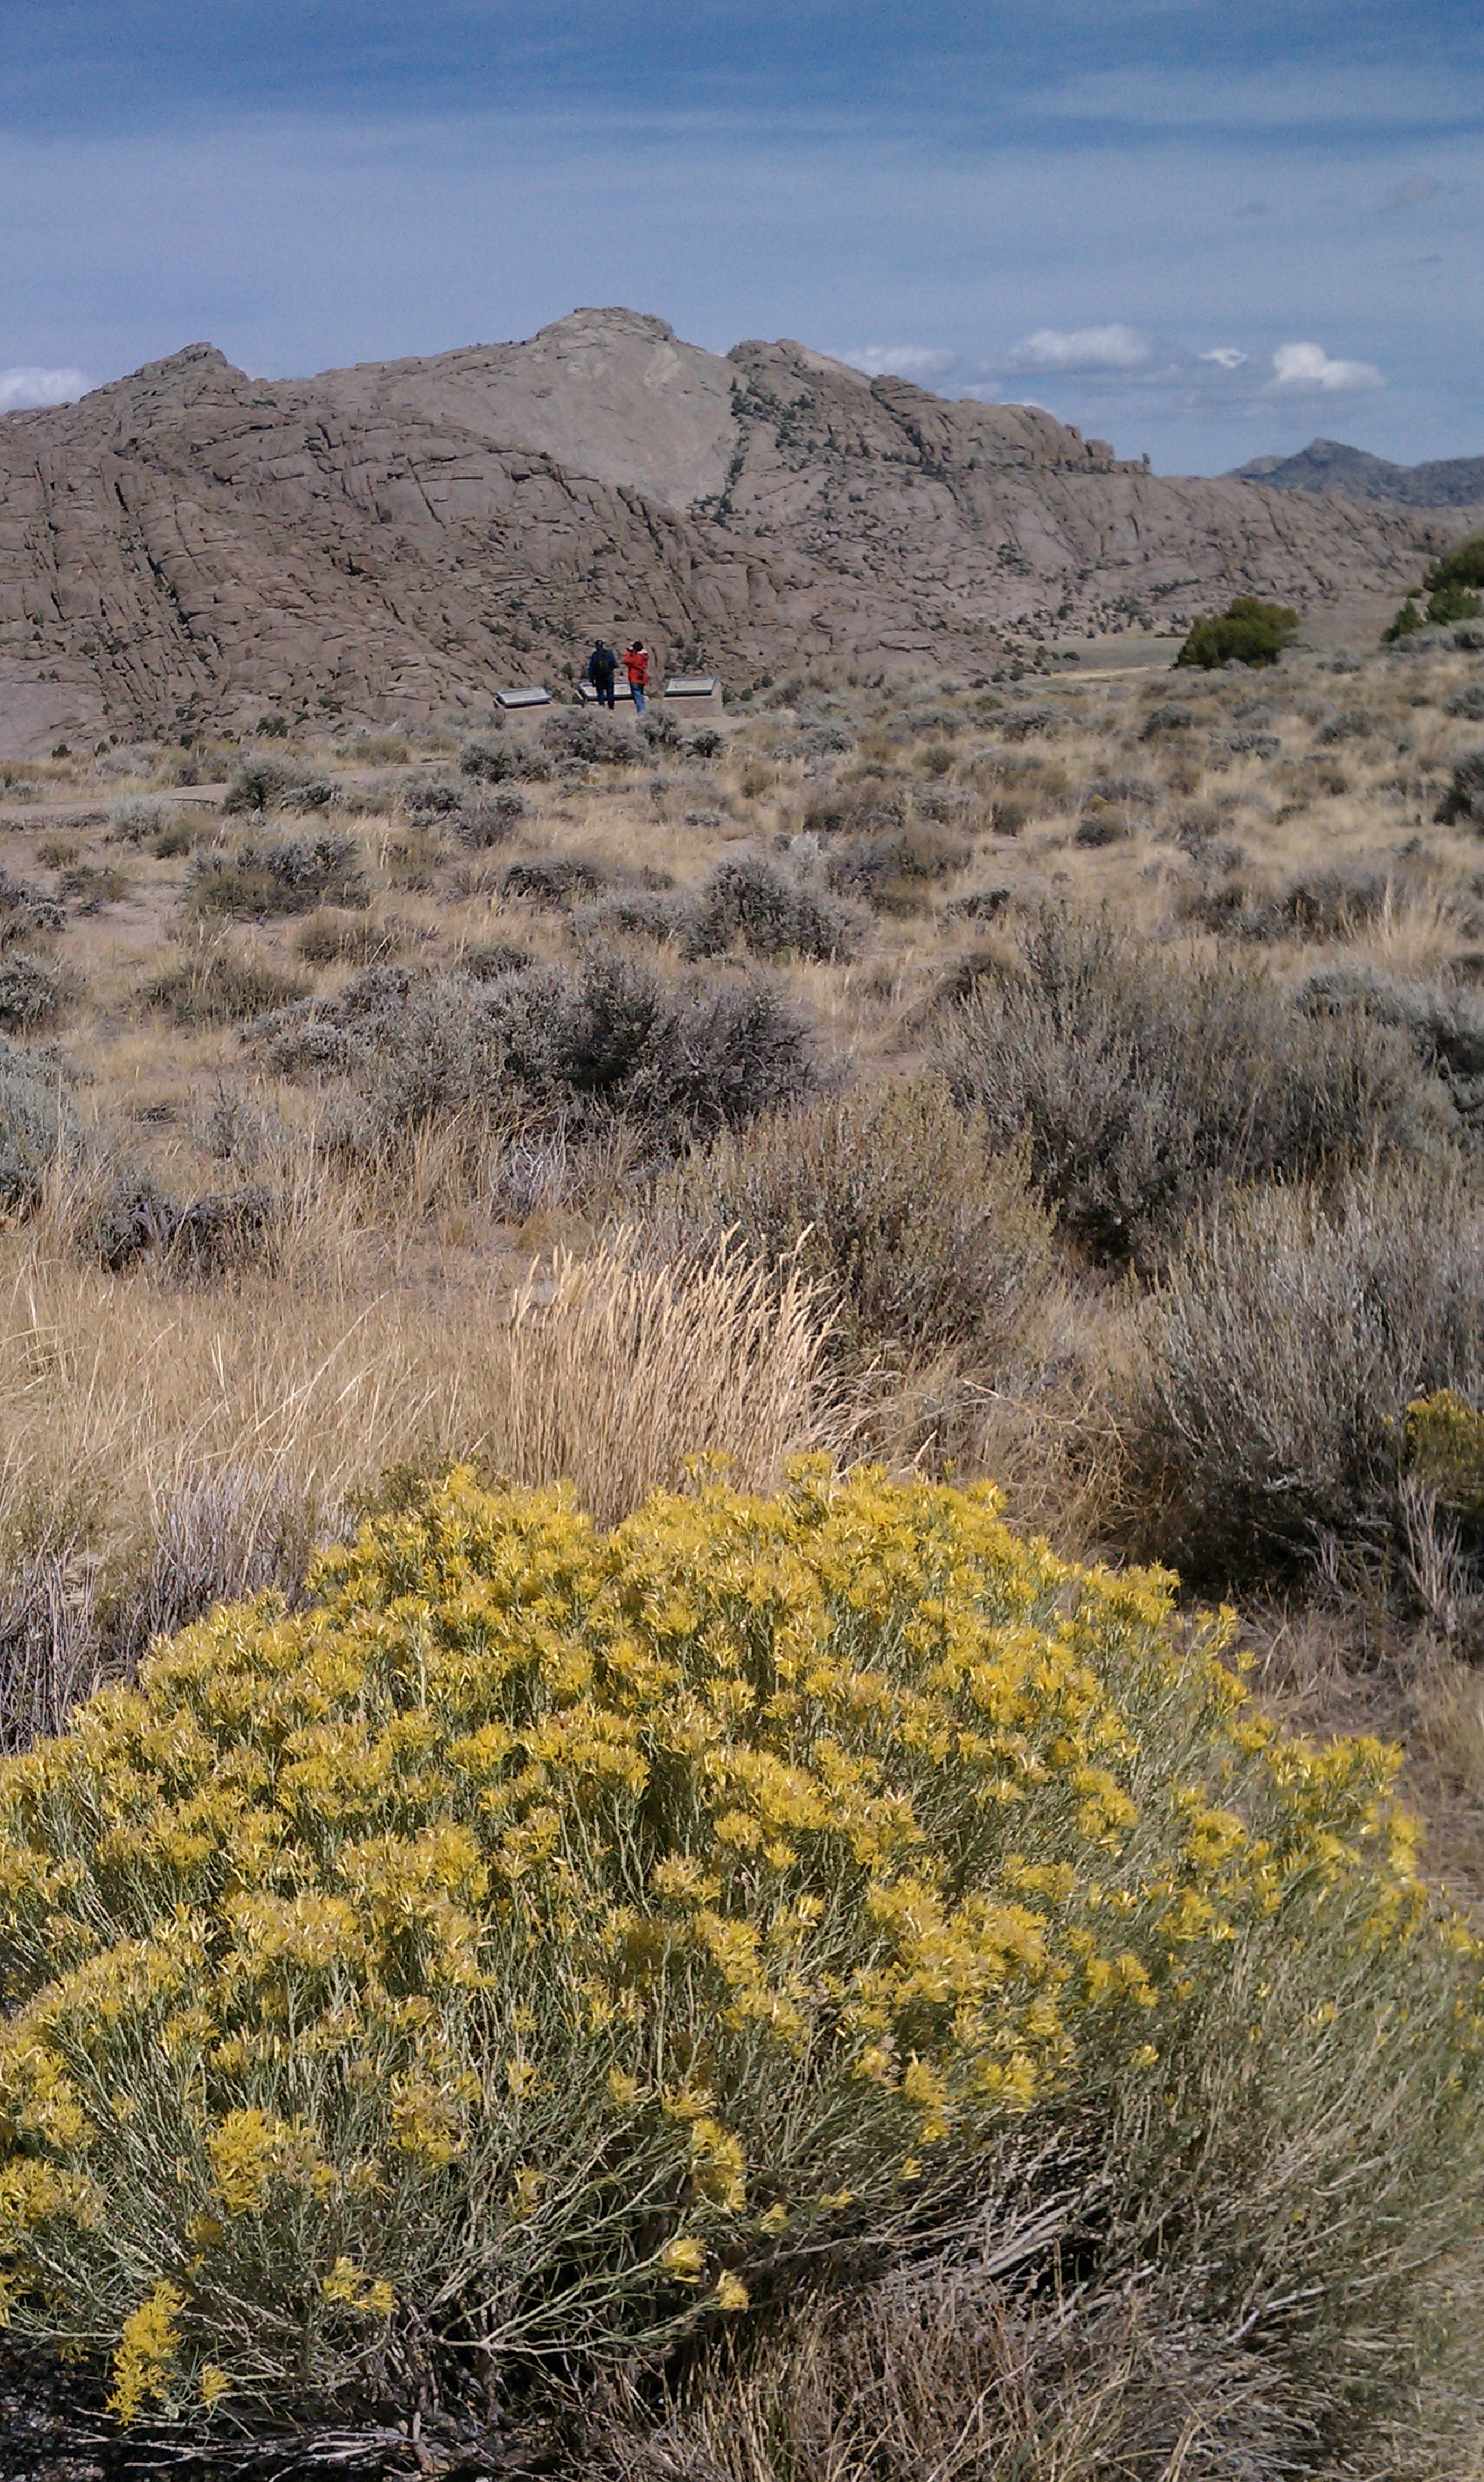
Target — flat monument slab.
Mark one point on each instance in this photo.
(692, 685)
(588, 695)
(523, 698)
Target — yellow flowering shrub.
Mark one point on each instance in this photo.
(1442, 1447)
(548, 1940)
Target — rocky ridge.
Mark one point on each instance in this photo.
(394, 542)
(1336, 471)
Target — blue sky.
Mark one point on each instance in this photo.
(1199, 231)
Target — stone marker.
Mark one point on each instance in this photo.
(692, 686)
(523, 698)
(589, 696)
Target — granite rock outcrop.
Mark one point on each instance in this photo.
(1336, 471)
(190, 546)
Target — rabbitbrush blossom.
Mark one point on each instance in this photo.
(546, 1938)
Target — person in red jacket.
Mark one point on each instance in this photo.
(636, 664)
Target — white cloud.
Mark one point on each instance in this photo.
(903, 362)
(1078, 349)
(294, 243)
(1307, 369)
(992, 392)
(23, 384)
(1229, 356)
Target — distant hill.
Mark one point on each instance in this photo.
(1341, 473)
(190, 546)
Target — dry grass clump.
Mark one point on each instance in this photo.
(172, 833)
(164, 1446)
(620, 1368)
(90, 887)
(212, 983)
(333, 935)
(965, 2369)
(925, 1239)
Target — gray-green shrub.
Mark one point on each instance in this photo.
(32, 990)
(895, 868)
(581, 1046)
(283, 875)
(506, 760)
(260, 784)
(1280, 1349)
(1463, 803)
(924, 1238)
(37, 1121)
(751, 902)
(1146, 1082)
(1443, 1023)
(553, 884)
(580, 737)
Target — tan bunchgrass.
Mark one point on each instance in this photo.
(163, 1448)
(943, 2373)
(618, 1370)
(118, 1391)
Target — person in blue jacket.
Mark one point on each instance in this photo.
(602, 668)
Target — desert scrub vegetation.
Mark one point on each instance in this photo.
(1144, 1083)
(186, 1404)
(619, 1360)
(1249, 631)
(1122, 1150)
(212, 981)
(1454, 591)
(1284, 1342)
(33, 990)
(37, 1119)
(919, 1237)
(753, 904)
(260, 876)
(744, 1900)
(259, 784)
(609, 1040)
